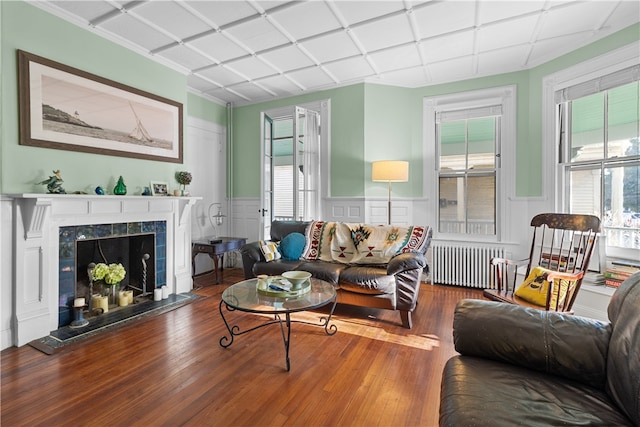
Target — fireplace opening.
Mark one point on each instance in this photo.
(136, 253)
(139, 246)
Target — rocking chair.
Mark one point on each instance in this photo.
(560, 252)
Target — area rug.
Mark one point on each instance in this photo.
(68, 335)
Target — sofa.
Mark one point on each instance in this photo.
(529, 367)
(370, 265)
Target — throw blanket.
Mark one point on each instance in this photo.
(361, 243)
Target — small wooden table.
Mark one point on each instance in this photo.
(216, 247)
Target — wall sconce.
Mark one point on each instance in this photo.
(390, 171)
(216, 218)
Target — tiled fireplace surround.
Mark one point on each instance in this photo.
(69, 240)
(38, 220)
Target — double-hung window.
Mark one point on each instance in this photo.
(467, 135)
(598, 133)
(468, 145)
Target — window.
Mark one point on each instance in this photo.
(467, 149)
(598, 130)
(466, 137)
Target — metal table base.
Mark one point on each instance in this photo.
(226, 341)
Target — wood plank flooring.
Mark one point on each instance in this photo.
(170, 370)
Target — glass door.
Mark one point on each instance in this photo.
(266, 203)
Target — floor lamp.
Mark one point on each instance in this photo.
(390, 171)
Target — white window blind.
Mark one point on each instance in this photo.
(590, 87)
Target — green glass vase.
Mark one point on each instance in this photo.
(120, 189)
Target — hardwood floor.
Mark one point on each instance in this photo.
(170, 370)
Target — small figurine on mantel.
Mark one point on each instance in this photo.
(54, 183)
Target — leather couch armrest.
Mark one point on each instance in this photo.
(560, 344)
(251, 254)
(406, 261)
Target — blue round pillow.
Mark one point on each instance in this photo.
(291, 246)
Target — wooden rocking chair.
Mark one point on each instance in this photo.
(561, 249)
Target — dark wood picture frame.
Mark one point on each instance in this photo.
(65, 108)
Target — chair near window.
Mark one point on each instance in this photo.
(560, 252)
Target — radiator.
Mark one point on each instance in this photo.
(462, 265)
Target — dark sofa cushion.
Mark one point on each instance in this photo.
(570, 346)
(367, 280)
(279, 229)
(481, 392)
(623, 361)
(327, 271)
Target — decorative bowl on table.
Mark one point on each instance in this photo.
(296, 278)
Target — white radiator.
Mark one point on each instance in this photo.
(462, 265)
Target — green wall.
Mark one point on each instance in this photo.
(385, 122)
(30, 29)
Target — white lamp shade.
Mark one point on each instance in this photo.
(390, 171)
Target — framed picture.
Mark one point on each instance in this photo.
(159, 188)
(69, 109)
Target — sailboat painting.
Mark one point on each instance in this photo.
(66, 108)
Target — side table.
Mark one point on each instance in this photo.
(216, 247)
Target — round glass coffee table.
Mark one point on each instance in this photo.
(244, 296)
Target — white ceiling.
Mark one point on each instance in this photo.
(250, 51)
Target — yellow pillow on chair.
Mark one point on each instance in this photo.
(535, 288)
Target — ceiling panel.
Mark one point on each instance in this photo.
(358, 11)
(198, 84)
(311, 77)
(222, 75)
(307, 19)
(189, 58)
(453, 46)
(384, 33)
(490, 11)
(545, 50)
(452, 70)
(280, 85)
(129, 28)
(445, 17)
(331, 47)
(85, 10)
(492, 37)
(348, 69)
(591, 15)
(226, 95)
(408, 77)
(222, 12)
(350, 39)
(173, 18)
(251, 91)
(503, 60)
(400, 57)
(288, 58)
(252, 67)
(258, 34)
(219, 47)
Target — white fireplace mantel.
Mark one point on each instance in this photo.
(37, 219)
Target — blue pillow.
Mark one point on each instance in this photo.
(291, 246)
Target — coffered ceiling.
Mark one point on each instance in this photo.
(250, 51)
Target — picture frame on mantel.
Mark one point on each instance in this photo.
(159, 188)
(66, 108)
